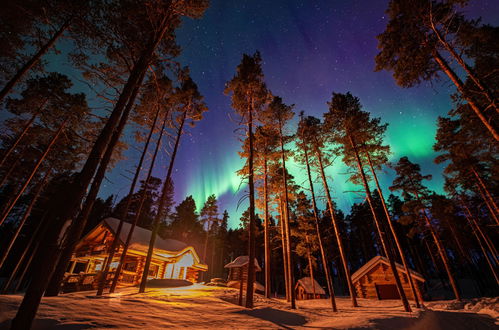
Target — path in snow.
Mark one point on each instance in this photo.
(199, 306)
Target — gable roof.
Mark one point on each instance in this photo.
(141, 236)
(242, 261)
(377, 260)
(163, 248)
(306, 283)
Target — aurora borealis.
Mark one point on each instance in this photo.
(310, 49)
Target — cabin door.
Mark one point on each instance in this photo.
(387, 291)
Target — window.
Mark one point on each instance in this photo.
(153, 270)
(131, 266)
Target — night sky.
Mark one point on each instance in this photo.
(310, 49)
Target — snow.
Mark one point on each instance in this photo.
(200, 306)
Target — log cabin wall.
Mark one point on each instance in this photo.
(381, 274)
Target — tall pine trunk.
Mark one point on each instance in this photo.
(469, 71)
(284, 254)
(461, 88)
(478, 229)
(337, 233)
(252, 220)
(76, 229)
(319, 237)
(440, 247)
(381, 233)
(162, 201)
(33, 60)
(310, 265)
(266, 228)
(205, 252)
(415, 292)
(33, 172)
(25, 130)
(114, 244)
(486, 196)
(26, 214)
(139, 211)
(29, 306)
(40, 227)
(11, 169)
(287, 221)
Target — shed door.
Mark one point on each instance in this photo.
(387, 291)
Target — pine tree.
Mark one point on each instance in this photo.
(191, 107)
(351, 128)
(409, 182)
(152, 27)
(314, 136)
(248, 97)
(210, 219)
(414, 44)
(277, 115)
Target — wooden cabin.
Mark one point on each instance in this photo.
(306, 289)
(238, 269)
(375, 280)
(171, 259)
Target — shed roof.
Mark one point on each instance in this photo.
(377, 260)
(306, 283)
(242, 261)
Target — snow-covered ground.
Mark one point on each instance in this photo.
(200, 306)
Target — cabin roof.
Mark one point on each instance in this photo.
(141, 237)
(139, 243)
(242, 261)
(306, 284)
(376, 261)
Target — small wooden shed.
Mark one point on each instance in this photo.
(305, 289)
(375, 280)
(238, 269)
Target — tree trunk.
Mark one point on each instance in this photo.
(442, 252)
(240, 301)
(76, 229)
(344, 261)
(22, 134)
(33, 172)
(415, 292)
(481, 86)
(162, 201)
(266, 229)
(29, 306)
(114, 244)
(310, 266)
(475, 229)
(205, 251)
(252, 229)
(287, 222)
(25, 217)
(12, 167)
(284, 254)
(460, 87)
(319, 236)
(33, 60)
(39, 232)
(137, 215)
(486, 196)
(381, 232)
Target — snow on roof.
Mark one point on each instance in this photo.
(141, 236)
(379, 259)
(306, 283)
(242, 261)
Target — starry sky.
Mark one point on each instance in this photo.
(309, 49)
